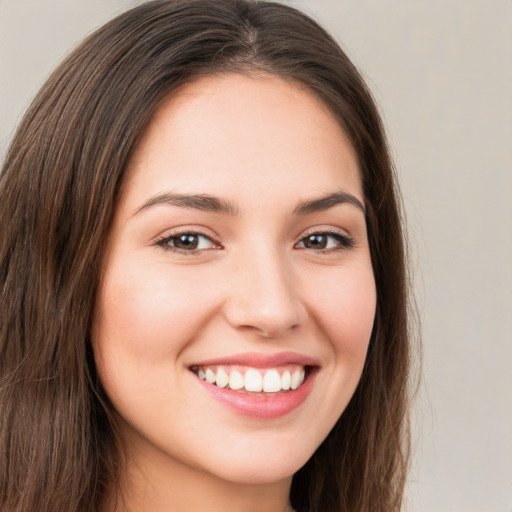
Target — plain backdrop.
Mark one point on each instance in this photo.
(441, 71)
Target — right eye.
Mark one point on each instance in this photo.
(188, 242)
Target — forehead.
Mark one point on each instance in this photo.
(230, 134)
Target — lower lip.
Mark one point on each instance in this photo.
(261, 406)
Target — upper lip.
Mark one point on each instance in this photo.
(258, 360)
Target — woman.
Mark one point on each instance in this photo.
(203, 286)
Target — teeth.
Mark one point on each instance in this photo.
(297, 378)
(256, 381)
(272, 382)
(236, 380)
(253, 380)
(286, 380)
(222, 379)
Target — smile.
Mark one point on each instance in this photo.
(260, 386)
(246, 379)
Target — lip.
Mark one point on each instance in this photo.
(258, 360)
(261, 406)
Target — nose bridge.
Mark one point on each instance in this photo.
(263, 295)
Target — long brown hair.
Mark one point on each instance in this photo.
(58, 191)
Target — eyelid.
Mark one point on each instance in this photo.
(346, 241)
(162, 241)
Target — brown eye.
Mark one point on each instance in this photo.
(187, 242)
(316, 241)
(325, 242)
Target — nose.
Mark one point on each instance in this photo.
(263, 297)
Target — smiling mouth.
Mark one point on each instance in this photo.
(249, 380)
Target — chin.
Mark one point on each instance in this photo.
(260, 465)
(260, 472)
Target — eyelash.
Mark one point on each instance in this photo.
(165, 242)
(343, 241)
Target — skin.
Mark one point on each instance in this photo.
(264, 145)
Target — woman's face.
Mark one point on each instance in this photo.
(238, 295)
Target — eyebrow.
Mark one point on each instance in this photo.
(328, 201)
(203, 202)
(207, 203)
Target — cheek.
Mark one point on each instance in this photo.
(148, 312)
(343, 304)
(145, 317)
(345, 308)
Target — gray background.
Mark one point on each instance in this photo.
(441, 71)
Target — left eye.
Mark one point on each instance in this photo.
(188, 242)
(325, 242)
